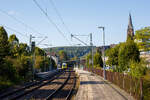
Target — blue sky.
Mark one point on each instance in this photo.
(80, 16)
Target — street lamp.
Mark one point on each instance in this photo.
(103, 28)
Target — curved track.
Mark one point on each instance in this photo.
(65, 91)
(58, 87)
(15, 94)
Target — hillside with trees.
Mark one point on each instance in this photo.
(72, 51)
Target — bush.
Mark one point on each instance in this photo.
(22, 65)
(137, 69)
(5, 83)
(8, 71)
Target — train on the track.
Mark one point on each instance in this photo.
(64, 65)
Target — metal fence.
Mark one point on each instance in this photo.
(131, 85)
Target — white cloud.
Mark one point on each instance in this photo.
(11, 12)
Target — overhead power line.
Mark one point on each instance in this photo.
(19, 21)
(14, 30)
(59, 15)
(50, 20)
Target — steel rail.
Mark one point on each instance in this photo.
(55, 92)
(72, 89)
(29, 86)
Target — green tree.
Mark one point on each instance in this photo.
(112, 55)
(14, 45)
(98, 62)
(23, 49)
(142, 37)
(63, 55)
(4, 45)
(13, 39)
(7, 71)
(39, 51)
(25, 67)
(21, 65)
(39, 62)
(42, 63)
(88, 60)
(138, 69)
(128, 52)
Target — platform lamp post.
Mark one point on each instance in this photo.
(32, 49)
(33, 58)
(104, 73)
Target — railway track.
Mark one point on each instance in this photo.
(65, 91)
(13, 95)
(47, 89)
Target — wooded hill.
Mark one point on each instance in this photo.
(72, 51)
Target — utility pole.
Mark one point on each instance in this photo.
(103, 28)
(44, 61)
(32, 50)
(91, 44)
(33, 58)
(30, 42)
(50, 59)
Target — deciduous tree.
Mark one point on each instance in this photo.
(112, 55)
(63, 55)
(142, 37)
(98, 62)
(128, 52)
(4, 45)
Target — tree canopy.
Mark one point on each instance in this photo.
(112, 55)
(121, 56)
(63, 55)
(128, 52)
(39, 51)
(142, 37)
(4, 45)
(88, 60)
(98, 62)
(16, 60)
(13, 39)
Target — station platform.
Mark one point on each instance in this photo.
(93, 87)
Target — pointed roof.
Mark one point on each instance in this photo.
(130, 30)
(130, 25)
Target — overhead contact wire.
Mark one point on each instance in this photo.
(50, 20)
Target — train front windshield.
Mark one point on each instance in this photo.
(64, 64)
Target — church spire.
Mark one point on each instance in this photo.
(130, 30)
(130, 25)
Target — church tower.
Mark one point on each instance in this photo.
(130, 30)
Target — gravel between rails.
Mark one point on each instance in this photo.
(63, 93)
(42, 92)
